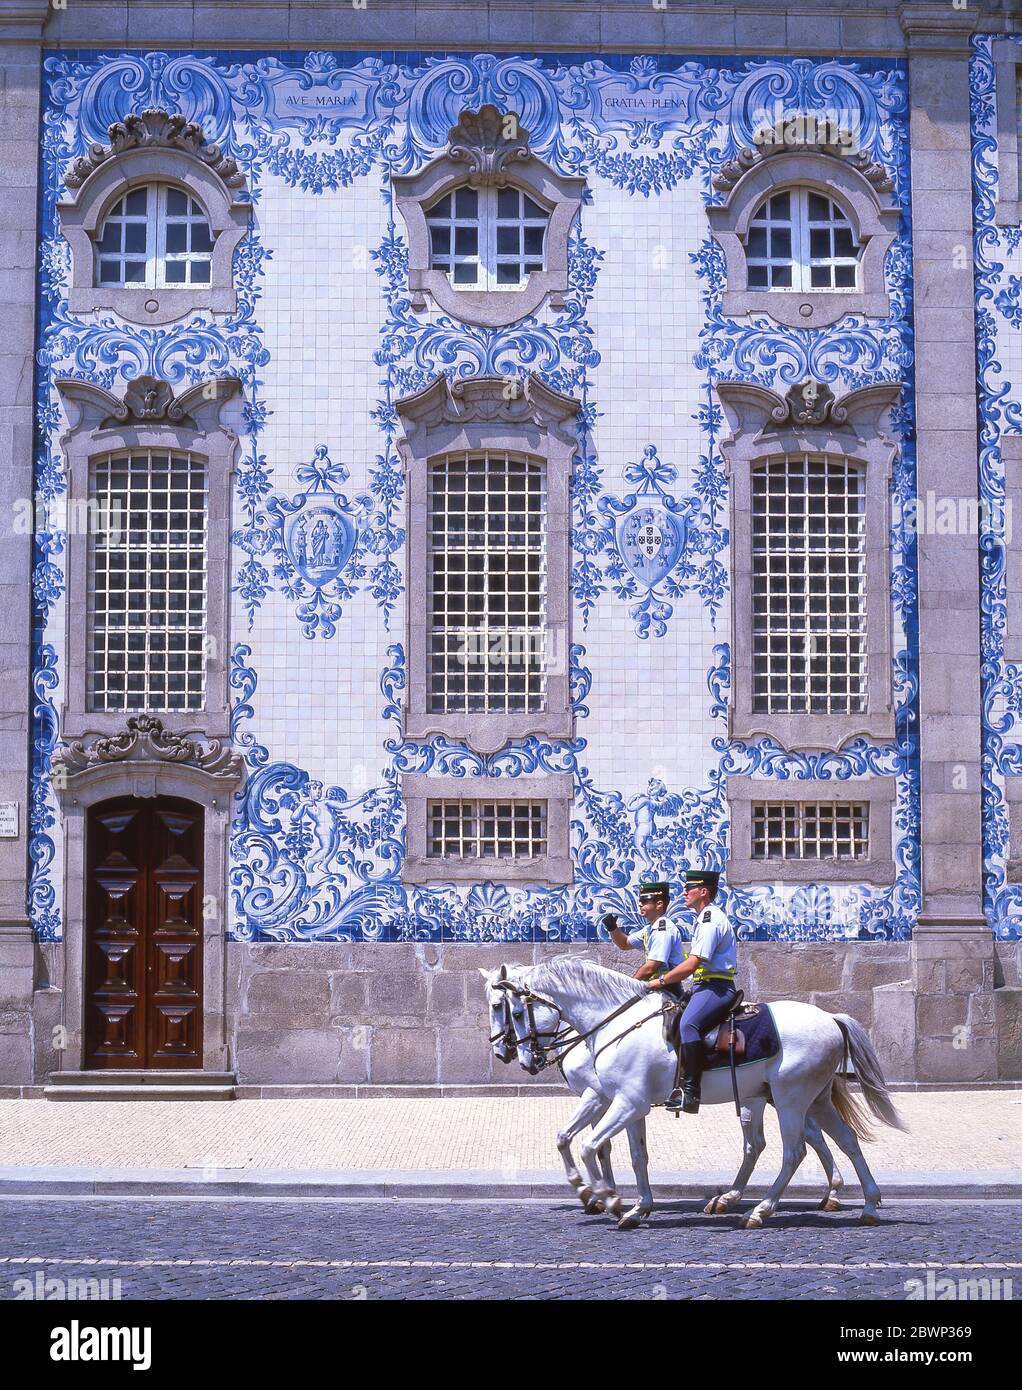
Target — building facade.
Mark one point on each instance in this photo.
(464, 460)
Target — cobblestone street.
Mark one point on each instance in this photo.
(497, 1250)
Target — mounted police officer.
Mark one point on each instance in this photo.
(662, 938)
(711, 962)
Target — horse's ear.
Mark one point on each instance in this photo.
(503, 972)
(484, 972)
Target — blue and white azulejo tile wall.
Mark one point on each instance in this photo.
(325, 341)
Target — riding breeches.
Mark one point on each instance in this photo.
(709, 1003)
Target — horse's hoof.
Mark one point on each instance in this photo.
(576, 1181)
(632, 1218)
(711, 1207)
(615, 1205)
(869, 1218)
(585, 1194)
(753, 1223)
(594, 1207)
(830, 1204)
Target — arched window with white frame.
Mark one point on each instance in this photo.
(487, 238)
(155, 236)
(801, 239)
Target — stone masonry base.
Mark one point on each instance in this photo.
(326, 1018)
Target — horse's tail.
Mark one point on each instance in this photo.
(875, 1091)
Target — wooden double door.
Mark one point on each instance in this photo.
(143, 934)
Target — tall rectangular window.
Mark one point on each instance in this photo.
(147, 582)
(808, 586)
(487, 568)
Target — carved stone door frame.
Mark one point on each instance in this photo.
(147, 761)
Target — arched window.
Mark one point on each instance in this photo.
(488, 238)
(154, 237)
(800, 239)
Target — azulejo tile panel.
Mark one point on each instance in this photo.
(998, 271)
(325, 341)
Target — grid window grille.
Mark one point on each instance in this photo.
(487, 239)
(486, 829)
(800, 240)
(810, 830)
(808, 586)
(487, 559)
(147, 582)
(154, 238)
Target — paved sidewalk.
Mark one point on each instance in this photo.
(963, 1143)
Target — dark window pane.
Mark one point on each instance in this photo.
(507, 274)
(507, 202)
(177, 202)
(843, 244)
(819, 208)
(757, 277)
(844, 276)
(440, 240)
(464, 274)
(135, 201)
(781, 277)
(111, 238)
(441, 209)
(202, 242)
(134, 273)
(819, 243)
(757, 241)
(175, 272)
(534, 241)
(466, 241)
(819, 277)
(200, 272)
(467, 202)
(109, 272)
(780, 205)
(177, 237)
(507, 241)
(780, 242)
(533, 209)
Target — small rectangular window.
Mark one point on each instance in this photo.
(486, 829)
(810, 830)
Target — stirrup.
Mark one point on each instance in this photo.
(675, 1102)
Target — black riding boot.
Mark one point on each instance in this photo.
(687, 1098)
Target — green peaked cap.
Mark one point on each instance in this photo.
(664, 888)
(703, 878)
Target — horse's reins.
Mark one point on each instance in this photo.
(561, 1036)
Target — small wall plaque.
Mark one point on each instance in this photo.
(8, 820)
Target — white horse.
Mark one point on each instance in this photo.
(634, 1066)
(579, 1072)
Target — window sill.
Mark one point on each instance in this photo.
(209, 723)
(546, 871)
(130, 303)
(766, 871)
(487, 733)
(806, 308)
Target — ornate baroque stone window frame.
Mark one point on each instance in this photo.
(145, 760)
(480, 155)
(861, 186)
(472, 415)
(154, 147)
(150, 417)
(1007, 56)
(877, 868)
(554, 869)
(810, 420)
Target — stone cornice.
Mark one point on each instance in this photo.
(487, 398)
(145, 740)
(156, 129)
(147, 400)
(735, 169)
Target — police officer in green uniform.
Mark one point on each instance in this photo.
(711, 962)
(662, 939)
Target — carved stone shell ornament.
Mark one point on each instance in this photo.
(158, 129)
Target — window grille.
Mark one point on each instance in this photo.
(801, 240)
(487, 829)
(808, 586)
(810, 830)
(487, 239)
(487, 560)
(147, 582)
(155, 237)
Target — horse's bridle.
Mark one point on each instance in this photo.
(563, 1036)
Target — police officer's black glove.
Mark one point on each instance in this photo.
(610, 921)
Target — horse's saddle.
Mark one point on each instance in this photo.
(754, 1030)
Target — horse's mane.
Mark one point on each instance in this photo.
(585, 978)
